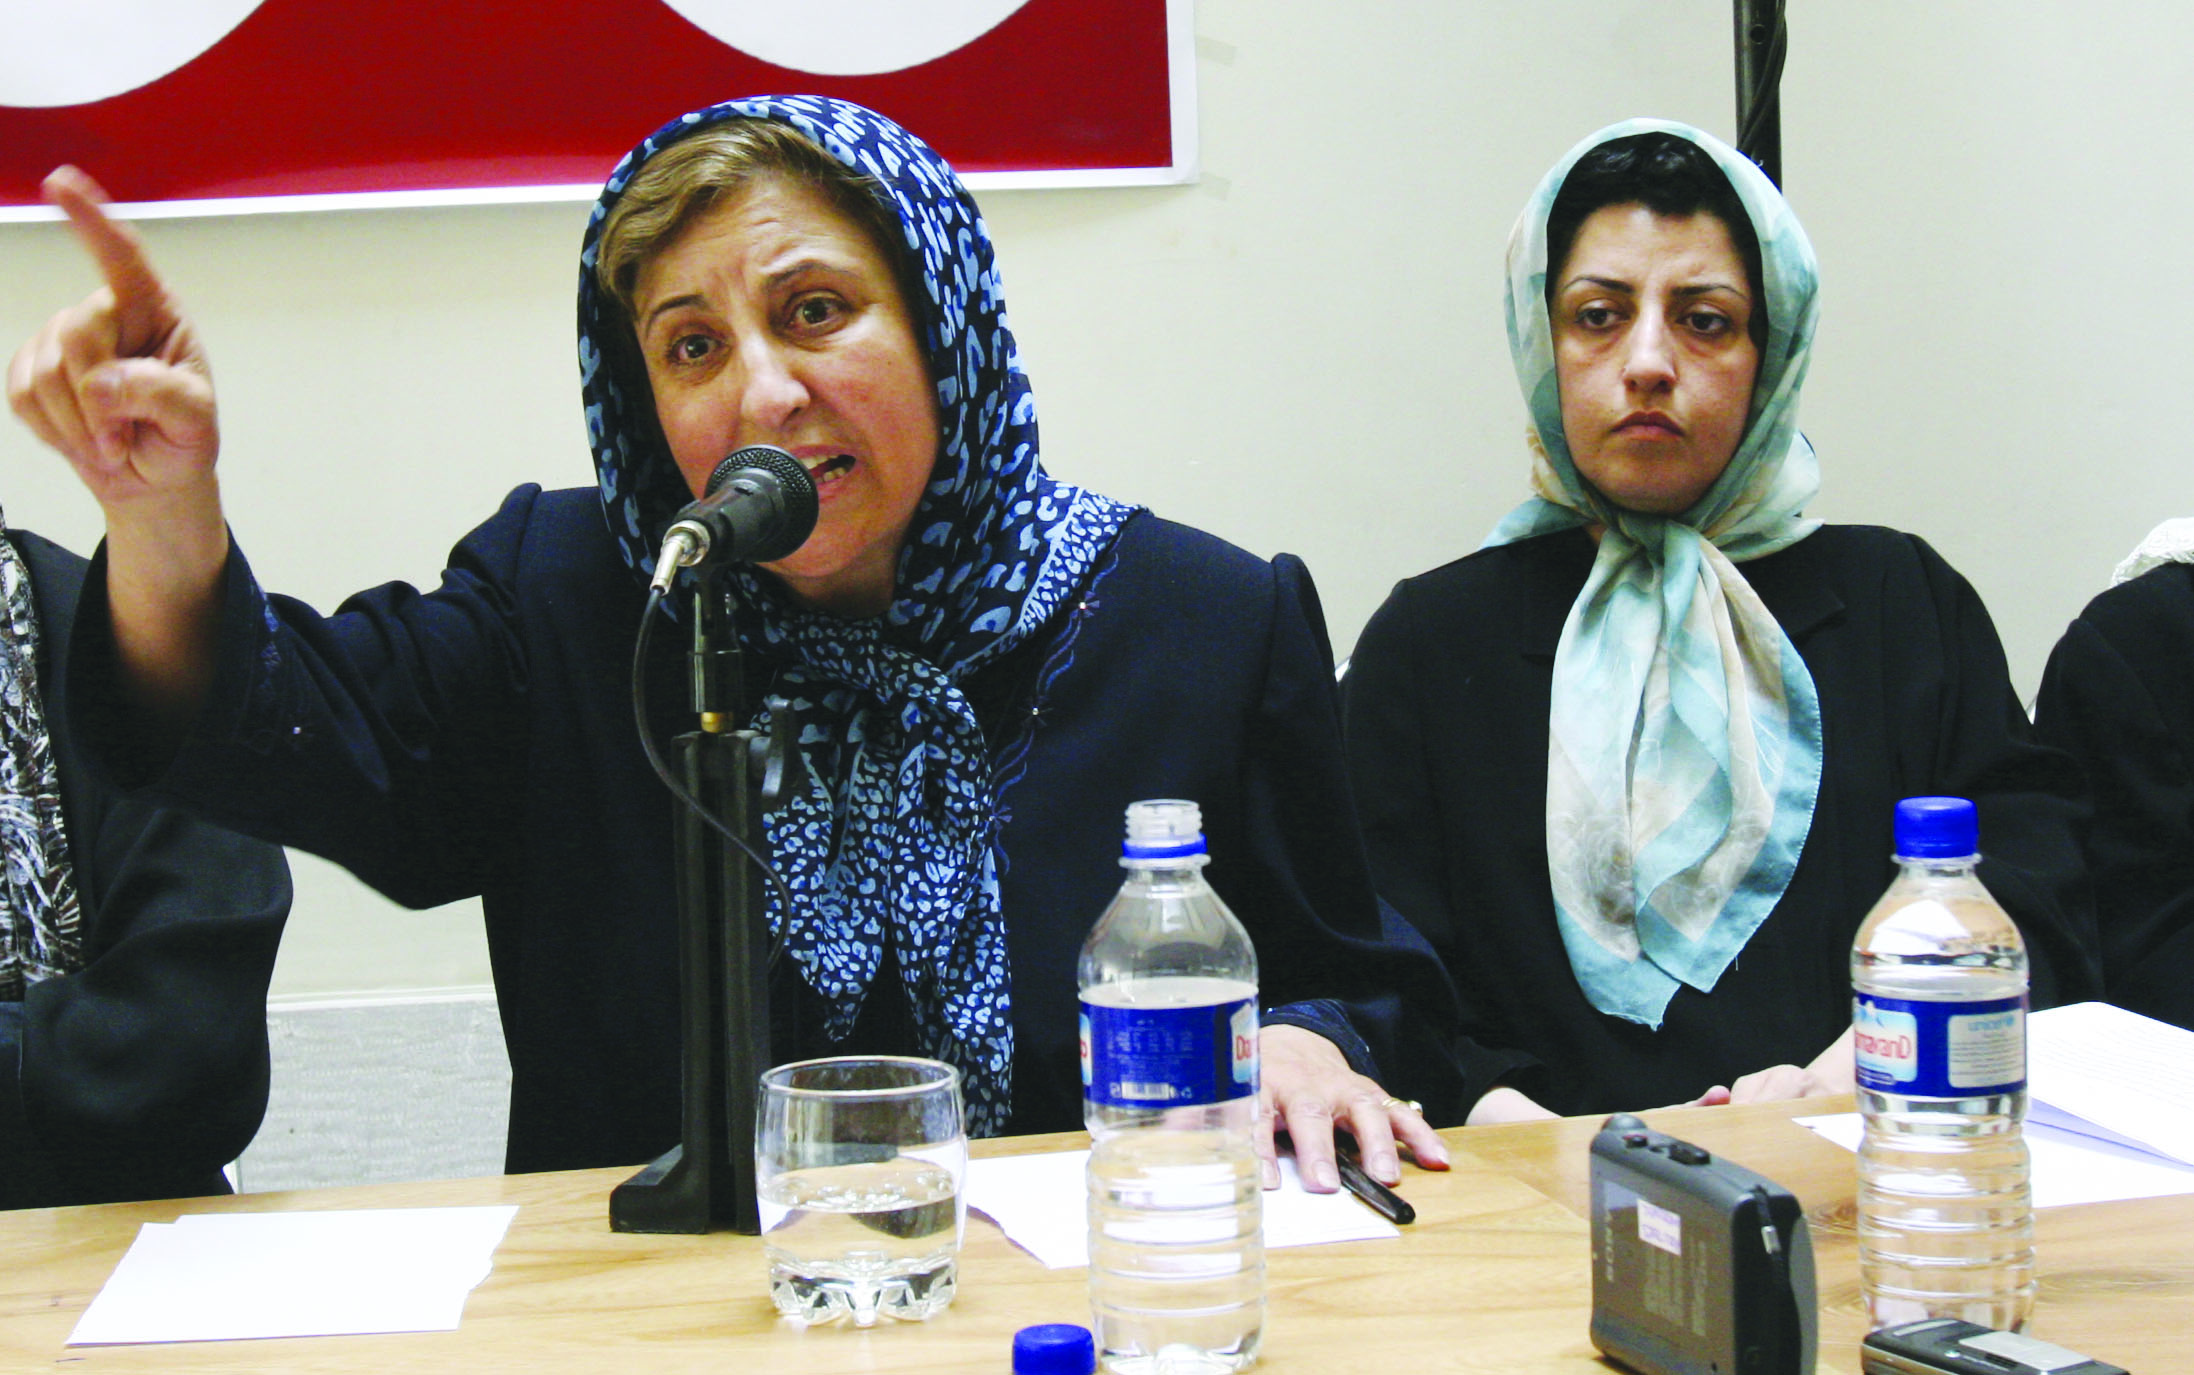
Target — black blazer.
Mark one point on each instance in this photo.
(1447, 702)
(142, 1074)
(2119, 696)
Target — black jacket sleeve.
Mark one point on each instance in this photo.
(141, 1074)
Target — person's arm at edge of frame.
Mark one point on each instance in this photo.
(2113, 696)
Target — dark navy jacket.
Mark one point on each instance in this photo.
(480, 740)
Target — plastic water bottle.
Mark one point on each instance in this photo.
(1938, 972)
(1169, 1084)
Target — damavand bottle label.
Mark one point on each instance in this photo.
(1919, 1049)
(1165, 1057)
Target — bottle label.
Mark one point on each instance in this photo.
(1921, 1049)
(1169, 1057)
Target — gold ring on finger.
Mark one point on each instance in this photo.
(1412, 1104)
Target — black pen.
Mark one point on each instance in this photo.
(1383, 1201)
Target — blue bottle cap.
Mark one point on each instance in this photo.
(1937, 828)
(1054, 1348)
(1168, 828)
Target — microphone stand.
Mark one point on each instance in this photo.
(1763, 40)
(706, 1183)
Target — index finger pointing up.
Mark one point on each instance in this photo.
(141, 306)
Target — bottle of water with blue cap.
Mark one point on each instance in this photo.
(1938, 973)
(1169, 1086)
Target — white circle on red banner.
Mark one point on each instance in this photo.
(846, 37)
(73, 52)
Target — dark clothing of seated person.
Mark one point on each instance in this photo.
(135, 946)
(2118, 695)
(1631, 766)
(984, 664)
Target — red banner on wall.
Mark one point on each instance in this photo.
(327, 102)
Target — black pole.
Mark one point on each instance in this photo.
(1762, 42)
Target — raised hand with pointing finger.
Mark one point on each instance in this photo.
(118, 383)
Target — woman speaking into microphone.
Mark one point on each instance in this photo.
(985, 663)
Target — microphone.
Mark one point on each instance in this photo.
(759, 505)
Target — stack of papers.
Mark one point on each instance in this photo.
(2110, 1106)
(1039, 1202)
(226, 1276)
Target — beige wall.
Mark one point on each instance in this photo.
(1303, 351)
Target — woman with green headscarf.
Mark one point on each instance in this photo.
(1631, 765)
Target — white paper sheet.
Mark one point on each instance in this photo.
(226, 1276)
(2130, 1075)
(2110, 1106)
(1040, 1202)
(2067, 1167)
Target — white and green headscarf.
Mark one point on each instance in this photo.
(1684, 742)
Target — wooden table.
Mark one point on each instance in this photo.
(1493, 1277)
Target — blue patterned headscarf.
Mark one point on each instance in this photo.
(1684, 745)
(895, 843)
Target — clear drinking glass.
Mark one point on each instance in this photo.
(859, 1162)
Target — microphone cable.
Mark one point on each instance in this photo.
(679, 791)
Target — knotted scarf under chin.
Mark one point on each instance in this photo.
(915, 772)
(1683, 764)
